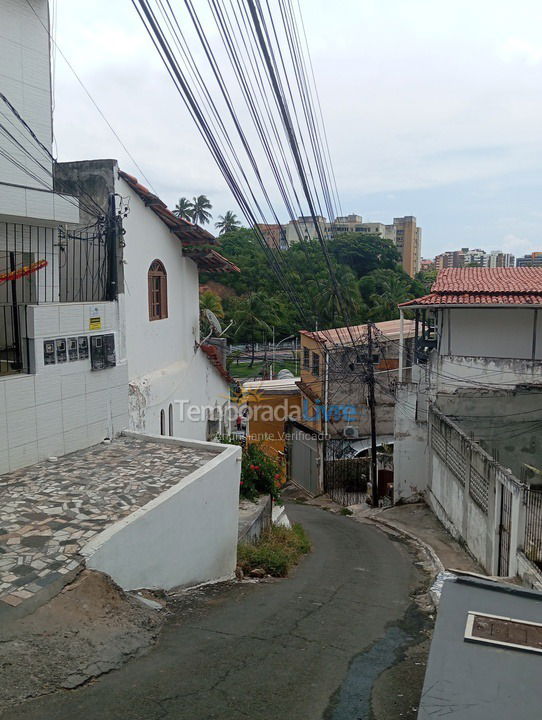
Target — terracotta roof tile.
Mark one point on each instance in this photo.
(484, 286)
(214, 359)
(188, 233)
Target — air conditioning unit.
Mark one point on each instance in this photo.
(351, 432)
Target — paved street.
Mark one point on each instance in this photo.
(329, 642)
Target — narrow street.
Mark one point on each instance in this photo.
(328, 642)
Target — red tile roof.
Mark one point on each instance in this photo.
(214, 358)
(189, 234)
(484, 286)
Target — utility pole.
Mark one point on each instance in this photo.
(371, 390)
(111, 242)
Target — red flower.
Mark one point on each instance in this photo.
(253, 467)
(241, 483)
(256, 467)
(277, 476)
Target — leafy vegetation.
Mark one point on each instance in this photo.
(260, 474)
(367, 268)
(276, 552)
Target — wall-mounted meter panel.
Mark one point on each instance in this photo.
(72, 349)
(102, 351)
(60, 347)
(82, 343)
(49, 352)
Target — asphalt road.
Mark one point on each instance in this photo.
(328, 642)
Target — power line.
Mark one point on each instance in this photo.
(87, 92)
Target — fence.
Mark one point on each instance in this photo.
(476, 498)
(532, 545)
(46, 265)
(345, 478)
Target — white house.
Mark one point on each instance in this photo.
(177, 386)
(468, 434)
(51, 401)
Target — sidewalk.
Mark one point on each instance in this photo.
(418, 520)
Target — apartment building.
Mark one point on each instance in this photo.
(533, 259)
(474, 258)
(403, 232)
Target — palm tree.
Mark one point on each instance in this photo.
(253, 314)
(226, 223)
(183, 209)
(200, 209)
(394, 290)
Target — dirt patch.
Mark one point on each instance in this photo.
(90, 628)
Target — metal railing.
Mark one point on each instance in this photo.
(532, 545)
(41, 265)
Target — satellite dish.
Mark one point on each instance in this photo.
(213, 321)
(284, 374)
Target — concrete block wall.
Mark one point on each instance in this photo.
(63, 407)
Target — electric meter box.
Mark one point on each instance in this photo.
(60, 346)
(72, 348)
(102, 351)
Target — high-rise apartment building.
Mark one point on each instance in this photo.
(403, 233)
(534, 259)
(473, 258)
(408, 238)
(274, 236)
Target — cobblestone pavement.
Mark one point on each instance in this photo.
(49, 511)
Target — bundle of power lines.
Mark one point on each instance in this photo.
(243, 70)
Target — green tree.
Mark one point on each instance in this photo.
(183, 209)
(226, 223)
(200, 209)
(253, 316)
(391, 291)
(364, 253)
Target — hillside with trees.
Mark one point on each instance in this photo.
(367, 269)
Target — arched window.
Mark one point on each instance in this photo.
(157, 284)
(171, 419)
(162, 422)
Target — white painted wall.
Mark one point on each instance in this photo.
(491, 332)
(411, 451)
(62, 407)
(165, 367)
(186, 536)
(25, 80)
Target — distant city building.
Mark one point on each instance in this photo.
(534, 259)
(473, 258)
(274, 236)
(403, 233)
(427, 265)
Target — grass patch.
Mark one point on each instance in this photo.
(278, 550)
(345, 511)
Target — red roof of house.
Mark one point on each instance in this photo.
(214, 358)
(189, 234)
(484, 286)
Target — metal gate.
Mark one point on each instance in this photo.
(304, 457)
(504, 531)
(345, 477)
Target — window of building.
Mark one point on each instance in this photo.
(315, 364)
(171, 419)
(162, 422)
(157, 284)
(306, 358)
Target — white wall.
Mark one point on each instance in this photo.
(63, 407)
(186, 536)
(26, 82)
(164, 365)
(491, 332)
(410, 452)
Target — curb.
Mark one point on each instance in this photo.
(435, 560)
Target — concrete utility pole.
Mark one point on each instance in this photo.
(371, 389)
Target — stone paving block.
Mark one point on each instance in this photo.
(48, 512)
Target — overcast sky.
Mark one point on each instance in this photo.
(432, 109)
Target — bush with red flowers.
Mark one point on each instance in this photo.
(260, 474)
